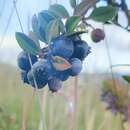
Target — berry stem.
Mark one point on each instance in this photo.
(75, 101)
(87, 24)
(26, 109)
(43, 102)
(50, 115)
(76, 90)
(7, 25)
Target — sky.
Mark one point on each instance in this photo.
(117, 38)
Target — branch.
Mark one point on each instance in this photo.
(115, 4)
(124, 7)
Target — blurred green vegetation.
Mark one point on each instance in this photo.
(19, 110)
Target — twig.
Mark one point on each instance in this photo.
(75, 102)
(120, 65)
(126, 10)
(7, 26)
(110, 2)
(109, 59)
(26, 109)
(44, 95)
(87, 24)
(2, 7)
(50, 118)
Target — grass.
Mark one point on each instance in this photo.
(19, 110)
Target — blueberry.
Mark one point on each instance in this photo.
(75, 38)
(76, 67)
(97, 35)
(24, 77)
(81, 49)
(23, 61)
(40, 72)
(54, 84)
(63, 47)
(62, 75)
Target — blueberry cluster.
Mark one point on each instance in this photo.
(116, 104)
(72, 49)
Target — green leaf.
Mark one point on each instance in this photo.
(127, 78)
(44, 17)
(61, 26)
(59, 10)
(36, 29)
(34, 38)
(53, 30)
(26, 43)
(104, 14)
(73, 3)
(60, 63)
(83, 7)
(42, 21)
(72, 23)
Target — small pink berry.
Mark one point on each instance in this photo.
(97, 35)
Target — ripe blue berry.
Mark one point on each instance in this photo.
(75, 38)
(24, 77)
(54, 84)
(40, 72)
(76, 67)
(23, 61)
(81, 50)
(63, 47)
(62, 75)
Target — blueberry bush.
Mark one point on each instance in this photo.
(64, 49)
